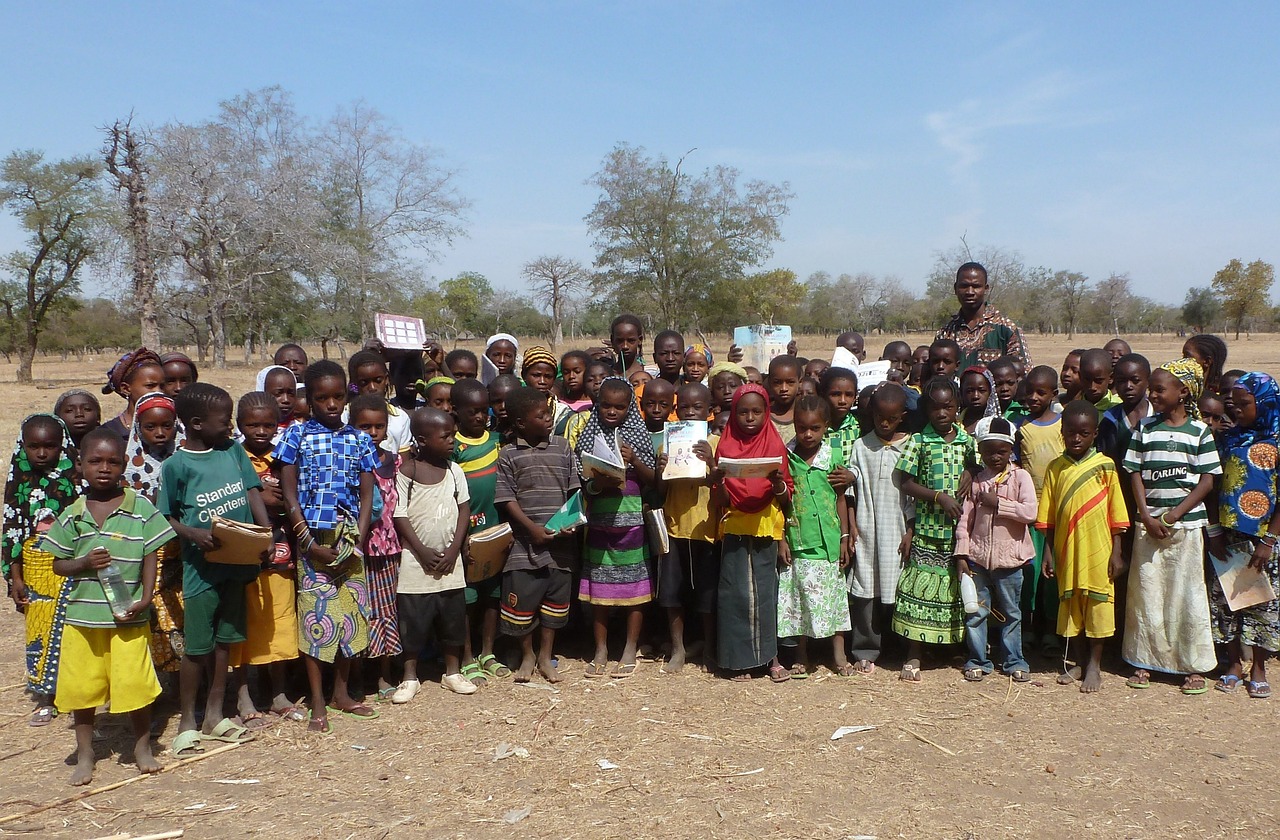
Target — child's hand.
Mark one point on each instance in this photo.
(962, 564)
(715, 476)
(853, 534)
(840, 478)
(661, 463)
(1218, 547)
(202, 537)
(1155, 527)
(949, 506)
(565, 532)
(322, 556)
(99, 558)
(18, 592)
(541, 536)
(966, 481)
(703, 450)
(990, 499)
(784, 553)
(904, 548)
(447, 562)
(846, 552)
(1262, 554)
(627, 453)
(1048, 569)
(735, 354)
(138, 608)
(271, 495)
(1115, 566)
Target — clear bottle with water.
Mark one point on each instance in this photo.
(119, 596)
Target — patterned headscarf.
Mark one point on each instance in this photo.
(632, 430)
(142, 466)
(1266, 427)
(1189, 373)
(992, 408)
(123, 369)
(538, 355)
(32, 498)
(700, 348)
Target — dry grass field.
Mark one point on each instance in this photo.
(685, 755)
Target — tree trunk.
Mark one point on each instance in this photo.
(26, 356)
(218, 334)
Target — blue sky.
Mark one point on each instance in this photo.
(1131, 137)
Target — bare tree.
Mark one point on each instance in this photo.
(554, 281)
(123, 155)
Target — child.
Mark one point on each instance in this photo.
(752, 532)
(1249, 521)
(811, 593)
(1038, 443)
(782, 384)
(499, 389)
(690, 571)
(977, 397)
(1213, 413)
(1082, 514)
(105, 657)
(1006, 376)
(993, 546)
(928, 608)
(293, 357)
(669, 356)
(301, 408)
(370, 375)
(539, 371)
(279, 383)
(626, 335)
(808, 387)
(920, 370)
(697, 361)
(476, 452)
(615, 564)
(1130, 376)
(597, 372)
(637, 378)
(40, 486)
(80, 412)
(271, 619)
(152, 440)
(839, 387)
(723, 379)
(657, 403)
(880, 526)
(898, 355)
(1070, 377)
(326, 477)
(573, 376)
(536, 476)
(179, 372)
(1118, 347)
(1095, 379)
(1171, 461)
(815, 368)
(754, 376)
(1211, 352)
(369, 414)
(208, 476)
(501, 352)
(137, 373)
(944, 359)
(462, 364)
(432, 519)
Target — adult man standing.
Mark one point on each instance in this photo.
(983, 334)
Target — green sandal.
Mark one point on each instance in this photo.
(473, 672)
(492, 667)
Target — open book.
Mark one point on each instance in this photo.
(749, 467)
(604, 460)
(487, 552)
(239, 544)
(677, 442)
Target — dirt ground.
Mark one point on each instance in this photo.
(684, 755)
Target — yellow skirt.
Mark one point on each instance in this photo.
(271, 621)
(102, 665)
(46, 610)
(166, 609)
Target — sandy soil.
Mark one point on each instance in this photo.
(685, 755)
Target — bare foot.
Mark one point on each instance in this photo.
(525, 672)
(83, 774)
(675, 664)
(146, 761)
(1092, 681)
(548, 670)
(709, 663)
(1073, 673)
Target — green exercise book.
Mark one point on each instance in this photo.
(570, 514)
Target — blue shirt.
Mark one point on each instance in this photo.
(329, 464)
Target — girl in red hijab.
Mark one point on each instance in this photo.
(752, 529)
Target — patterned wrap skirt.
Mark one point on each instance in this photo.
(928, 607)
(167, 643)
(45, 615)
(333, 604)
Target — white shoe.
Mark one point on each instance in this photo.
(405, 691)
(458, 684)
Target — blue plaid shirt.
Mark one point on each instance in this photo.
(329, 464)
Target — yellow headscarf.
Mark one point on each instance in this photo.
(1189, 373)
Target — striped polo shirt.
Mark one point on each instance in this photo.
(130, 533)
(1171, 460)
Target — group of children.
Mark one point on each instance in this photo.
(985, 507)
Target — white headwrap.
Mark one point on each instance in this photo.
(262, 375)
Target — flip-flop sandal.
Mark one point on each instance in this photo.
(384, 694)
(43, 716)
(596, 670)
(186, 744)
(778, 674)
(493, 667)
(255, 721)
(294, 714)
(623, 671)
(229, 732)
(1201, 689)
(1139, 681)
(473, 672)
(1019, 676)
(1260, 690)
(1227, 683)
(799, 672)
(354, 712)
(910, 673)
(974, 675)
(845, 670)
(325, 727)
(864, 668)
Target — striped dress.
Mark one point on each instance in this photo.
(615, 571)
(382, 568)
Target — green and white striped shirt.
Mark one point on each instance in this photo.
(1171, 460)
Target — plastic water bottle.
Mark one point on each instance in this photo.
(117, 591)
(968, 594)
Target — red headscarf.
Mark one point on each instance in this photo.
(752, 495)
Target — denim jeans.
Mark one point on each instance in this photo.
(1002, 589)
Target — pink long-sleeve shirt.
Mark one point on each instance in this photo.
(998, 538)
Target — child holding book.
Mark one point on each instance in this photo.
(812, 603)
